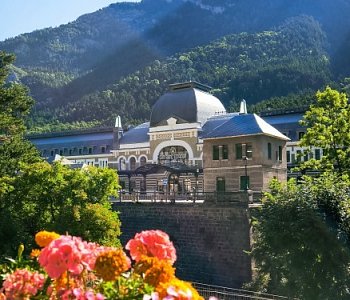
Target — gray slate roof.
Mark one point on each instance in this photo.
(187, 104)
(138, 134)
(242, 125)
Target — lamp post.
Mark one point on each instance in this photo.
(245, 158)
(248, 153)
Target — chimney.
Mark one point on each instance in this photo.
(243, 108)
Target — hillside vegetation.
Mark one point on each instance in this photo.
(251, 66)
(118, 60)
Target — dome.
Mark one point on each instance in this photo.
(188, 103)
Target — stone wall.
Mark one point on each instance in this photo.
(210, 240)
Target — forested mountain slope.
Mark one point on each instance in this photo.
(66, 65)
(253, 66)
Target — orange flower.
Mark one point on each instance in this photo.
(35, 253)
(178, 290)
(110, 264)
(155, 271)
(43, 238)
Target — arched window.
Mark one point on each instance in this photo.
(122, 165)
(143, 161)
(132, 162)
(173, 155)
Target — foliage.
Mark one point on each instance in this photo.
(61, 199)
(70, 68)
(254, 66)
(297, 248)
(69, 268)
(15, 105)
(328, 127)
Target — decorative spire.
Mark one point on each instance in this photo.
(118, 122)
(243, 108)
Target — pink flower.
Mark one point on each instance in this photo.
(153, 243)
(22, 284)
(153, 296)
(69, 253)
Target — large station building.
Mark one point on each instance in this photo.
(190, 143)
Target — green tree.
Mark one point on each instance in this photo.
(328, 127)
(15, 105)
(55, 197)
(297, 249)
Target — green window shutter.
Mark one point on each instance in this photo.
(238, 151)
(244, 183)
(280, 153)
(215, 152)
(224, 152)
(269, 151)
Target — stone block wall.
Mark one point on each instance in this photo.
(210, 240)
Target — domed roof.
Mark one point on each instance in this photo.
(187, 102)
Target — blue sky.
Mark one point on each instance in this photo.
(21, 16)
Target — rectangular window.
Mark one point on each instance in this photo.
(103, 163)
(224, 152)
(220, 184)
(288, 156)
(280, 148)
(317, 154)
(244, 150)
(301, 134)
(293, 158)
(249, 150)
(306, 156)
(298, 156)
(269, 151)
(244, 183)
(238, 151)
(215, 152)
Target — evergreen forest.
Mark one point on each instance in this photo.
(119, 60)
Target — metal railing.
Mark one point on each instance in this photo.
(196, 197)
(224, 293)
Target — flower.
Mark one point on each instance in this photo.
(43, 238)
(152, 243)
(111, 264)
(177, 289)
(60, 255)
(80, 294)
(155, 271)
(22, 284)
(35, 253)
(78, 270)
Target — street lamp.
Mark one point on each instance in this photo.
(245, 158)
(248, 153)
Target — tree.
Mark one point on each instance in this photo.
(328, 127)
(297, 249)
(15, 105)
(56, 198)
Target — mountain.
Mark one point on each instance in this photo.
(66, 65)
